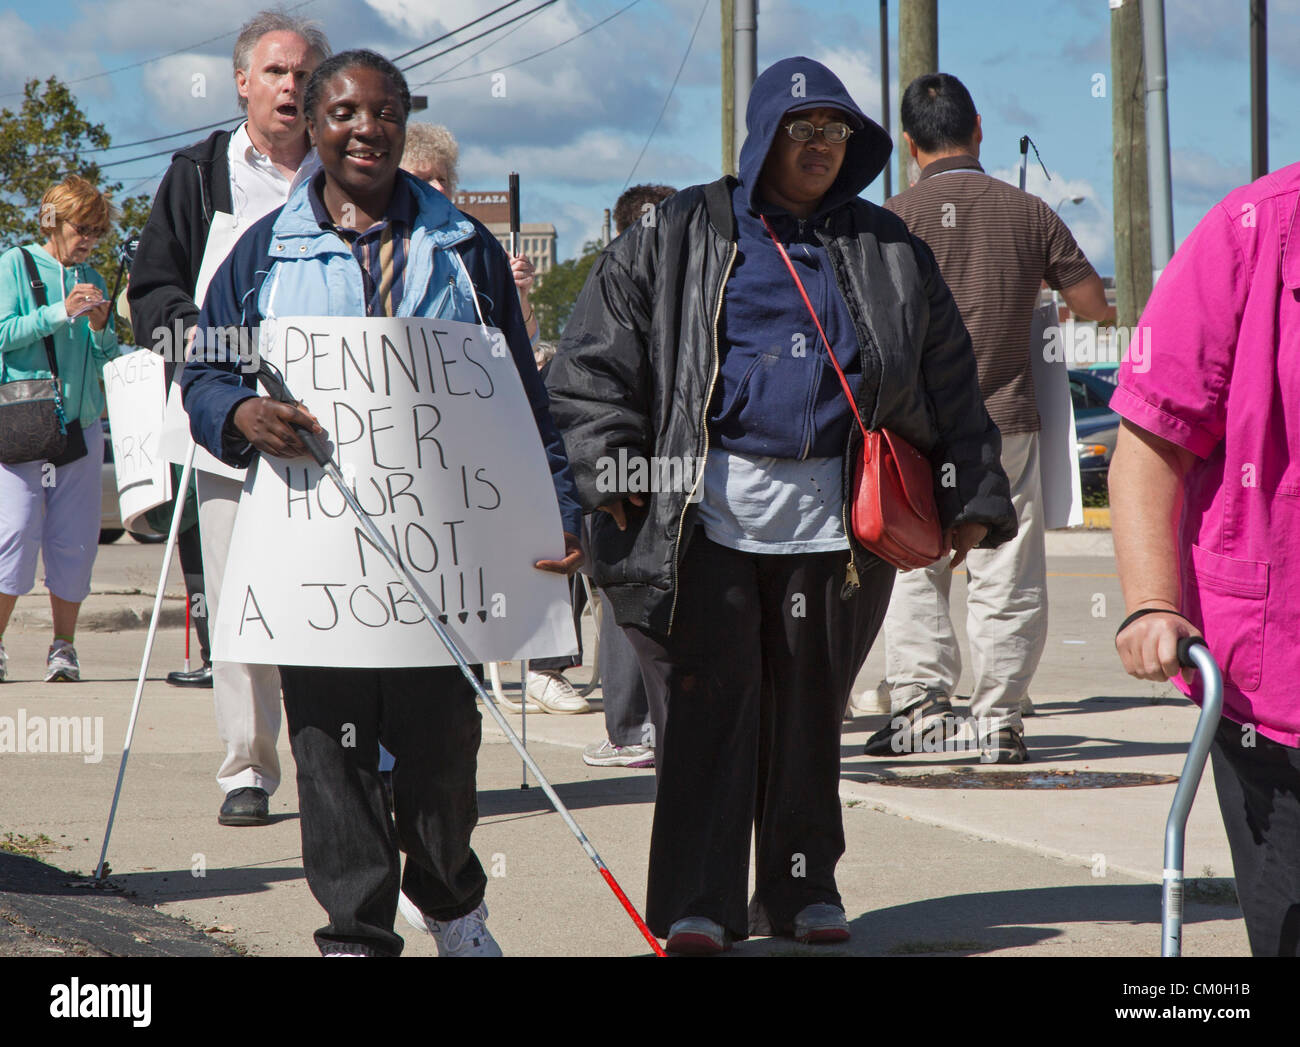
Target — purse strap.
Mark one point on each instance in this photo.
(813, 313)
(38, 292)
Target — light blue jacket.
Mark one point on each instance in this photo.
(434, 284)
(81, 353)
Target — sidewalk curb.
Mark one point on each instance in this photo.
(119, 615)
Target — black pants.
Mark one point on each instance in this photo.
(428, 720)
(623, 692)
(1259, 795)
(752, 684)
(191, 552)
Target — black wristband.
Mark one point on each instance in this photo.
(1146, 610)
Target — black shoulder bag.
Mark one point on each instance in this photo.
(33, 424)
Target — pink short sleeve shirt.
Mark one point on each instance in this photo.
(1215, 369)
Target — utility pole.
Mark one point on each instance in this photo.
(1129, 146)
(884, 85)
(1157, 106)
(918, 53)
(746, 61)
(1258, 89)
(729, 87)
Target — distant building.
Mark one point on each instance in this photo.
(537, 239)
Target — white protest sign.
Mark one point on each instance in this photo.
(1058, 457)
(176, 439)
(431, 428)
(133, 387)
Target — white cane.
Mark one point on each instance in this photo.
(102, 869)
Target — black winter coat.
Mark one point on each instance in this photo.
(636, 367)
(174, 238)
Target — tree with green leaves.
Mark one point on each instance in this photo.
(558, 290)
(46, 140)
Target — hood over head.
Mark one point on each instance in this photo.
(801, 83)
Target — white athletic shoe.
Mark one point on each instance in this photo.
(554, 693)
(61, 663)
(466, 936)
(4, 663)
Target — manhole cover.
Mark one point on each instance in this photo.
(1028, 780)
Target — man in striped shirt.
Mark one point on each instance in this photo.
(995, 246)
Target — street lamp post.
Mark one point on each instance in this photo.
(1069, 200)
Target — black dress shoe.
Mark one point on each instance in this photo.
(245, 807)
(194, 678)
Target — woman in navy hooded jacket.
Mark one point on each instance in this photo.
(751, 607)
(363, 238)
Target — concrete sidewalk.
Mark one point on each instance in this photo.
(1042, 871)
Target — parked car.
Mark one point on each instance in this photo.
(1096, 427)
(110, 514)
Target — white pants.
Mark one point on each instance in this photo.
(247, 696)
(1006, 612)
(53, 510)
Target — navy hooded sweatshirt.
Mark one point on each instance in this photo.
(778, 395)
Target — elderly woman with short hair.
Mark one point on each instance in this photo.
(56, 513)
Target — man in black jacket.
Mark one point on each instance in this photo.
(702, 413)
(224, 184)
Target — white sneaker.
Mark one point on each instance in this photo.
(466, 936)
(61, 663)
(555, 694)
(4, 663)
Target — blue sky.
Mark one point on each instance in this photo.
(573, 121)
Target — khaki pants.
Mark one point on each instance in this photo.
(247, 697)
(1006, 612)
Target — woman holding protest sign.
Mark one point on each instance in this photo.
(363, 238)
(54, 321)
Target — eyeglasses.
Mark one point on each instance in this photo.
(89, 231)
(803, 131)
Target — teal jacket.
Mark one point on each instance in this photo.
(80, 352)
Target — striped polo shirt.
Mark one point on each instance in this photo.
(381, 250)
(995, 245)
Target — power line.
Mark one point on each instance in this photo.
(159, 58)
(488, 46)
(529, 58)
(228, 120)
(134, 159)
(690, 43)
(479, 36)
(159, 138)
(452, 32)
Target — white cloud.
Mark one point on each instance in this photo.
(1202, 179)
(594, 158)
(190, 90)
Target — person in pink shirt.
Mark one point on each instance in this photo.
(1205, 504)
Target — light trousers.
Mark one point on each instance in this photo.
(247, 697)
(1006, 612)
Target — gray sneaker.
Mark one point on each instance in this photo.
(697, 936)
(821, 924)
(607, 754)
(61, 664)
